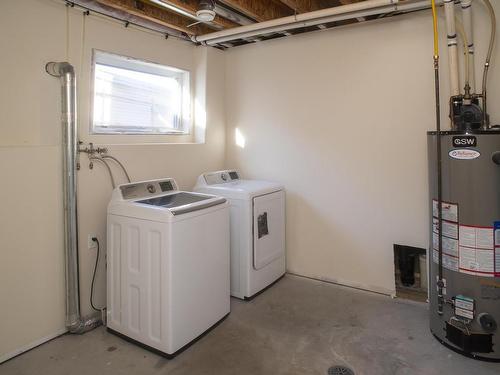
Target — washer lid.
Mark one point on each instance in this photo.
(182, 202)
(157, 200)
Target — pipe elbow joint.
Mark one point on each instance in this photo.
(58, 69)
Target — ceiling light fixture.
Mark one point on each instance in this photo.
(206, 11)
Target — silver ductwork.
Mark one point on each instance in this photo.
(74, 322)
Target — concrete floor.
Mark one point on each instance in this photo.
(299, 326)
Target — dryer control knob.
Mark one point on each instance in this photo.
(151, 188)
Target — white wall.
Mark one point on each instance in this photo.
(33, 32)
(340, 117)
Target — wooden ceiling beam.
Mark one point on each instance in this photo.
(304, 6)
(120, 15)
(259, 10)
(152, 13)
(191, 6)
(347, 2)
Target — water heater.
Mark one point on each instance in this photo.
(465, 243)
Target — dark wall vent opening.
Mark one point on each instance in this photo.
(411, 276)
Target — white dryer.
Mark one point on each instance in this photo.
(257, 229)
(167, 264)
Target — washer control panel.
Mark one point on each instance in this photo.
(147, 188)
(221, 177)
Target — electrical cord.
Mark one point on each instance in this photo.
(93, 275)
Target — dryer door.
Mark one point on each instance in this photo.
(268, 228)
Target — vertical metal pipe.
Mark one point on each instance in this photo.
(466, 6)
(449, 11)
(66, 73)
(440, 282)
(439, 158)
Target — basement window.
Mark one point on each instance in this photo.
(131, 96)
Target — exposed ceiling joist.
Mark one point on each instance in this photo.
(95, 6)
(304, 6)
(191, 6)
(260, 10)
(152, 13)
(230, 14)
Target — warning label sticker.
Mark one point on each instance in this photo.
(469, 249)
(449, 238)
(467, 236)
(497, 233)
(449, 211)
(496, 227)
(497, 261)
(485, 260)
(450, 235)
(450, 230)
(449, 262)
(477, 250)
(484, 238)
(450, 245)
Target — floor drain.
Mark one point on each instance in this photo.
(340, 370)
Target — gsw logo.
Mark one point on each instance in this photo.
(465, 141)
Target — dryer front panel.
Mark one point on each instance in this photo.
(268, 228)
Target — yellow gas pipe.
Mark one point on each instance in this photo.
(435, 24)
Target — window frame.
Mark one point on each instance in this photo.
(187, 101)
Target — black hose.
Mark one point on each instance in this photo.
(93, 275)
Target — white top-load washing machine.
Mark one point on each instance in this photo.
(257, 229)
(167, 264)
